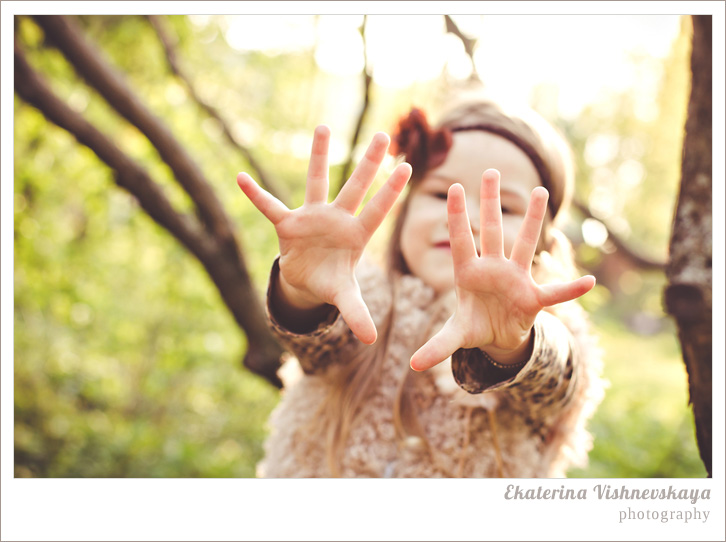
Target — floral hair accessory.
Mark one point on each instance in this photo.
(421, 146)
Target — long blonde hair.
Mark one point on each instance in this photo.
(354, 382)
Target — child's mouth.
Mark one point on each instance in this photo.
(446, 245)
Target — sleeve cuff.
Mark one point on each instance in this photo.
(476, 372)
(320, 329)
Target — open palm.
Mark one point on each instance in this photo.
(497, 298)
(320, 242)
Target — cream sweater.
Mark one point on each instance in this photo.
(514, 423)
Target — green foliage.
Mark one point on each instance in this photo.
(127, 362)
(628, 150)
(644, 427)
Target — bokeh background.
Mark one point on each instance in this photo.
(127, 362)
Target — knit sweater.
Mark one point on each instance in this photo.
(479, 420)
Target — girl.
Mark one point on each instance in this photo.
(504, 374)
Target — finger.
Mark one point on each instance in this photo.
(437, 348)
(491, 215)
(463, 247)
(355, 313)
(551, 294)
(265, 202)
(316, 188)
(355, 188)
(381, 204)
(525, 245)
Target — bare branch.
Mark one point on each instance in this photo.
(367, 78)
(129, 175)
(469, 44)
(88, 62)
(264, 178)
(220, 256)
(639, 261)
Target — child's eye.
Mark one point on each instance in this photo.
(505, 210)
(438, 194)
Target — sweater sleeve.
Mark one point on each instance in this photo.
(332, 340)
(546, 379)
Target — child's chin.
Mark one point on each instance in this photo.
(441, 284)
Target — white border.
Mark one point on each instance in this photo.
(339, 509)
(377, 7)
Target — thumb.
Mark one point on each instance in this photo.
(355, 313)
(551, 294)
(437, 348)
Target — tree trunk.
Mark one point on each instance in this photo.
(689, 290)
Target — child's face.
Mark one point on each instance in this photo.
(425, 235)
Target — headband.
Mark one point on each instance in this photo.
(426, 149)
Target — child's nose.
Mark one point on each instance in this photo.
(472, 209)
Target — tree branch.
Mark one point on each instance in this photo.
(219, 256)
(469, 44)
(264, 178)
(88, 62)
(367, 78)
(129, 175)
(639, 261)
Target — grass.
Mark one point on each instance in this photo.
(644, 427)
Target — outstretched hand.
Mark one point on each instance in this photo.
(320, 242)
(497, 298)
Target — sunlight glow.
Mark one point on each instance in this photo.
(594, 232)
(340, 46)
(404, 49)
(579, 57)
(270, 33)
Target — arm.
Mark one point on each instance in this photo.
(552, 388)
(327, 339)
(547, 371)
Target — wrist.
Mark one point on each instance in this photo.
(512, 357)
(295, 297)
(291, 309)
